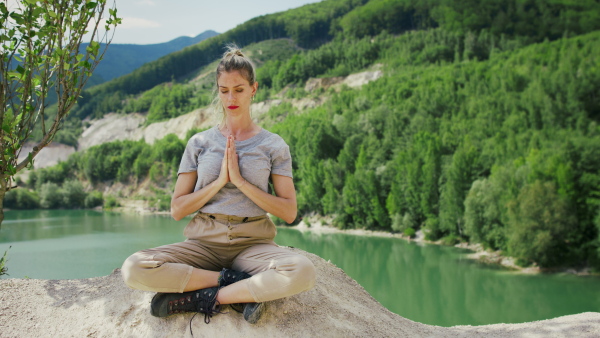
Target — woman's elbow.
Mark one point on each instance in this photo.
(291, 216)
(176, 213)
(175, 216)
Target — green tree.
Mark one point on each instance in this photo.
(459, 177)
(483, 213)
(539, 225)
(50, 196)
(73, 194)
(21, 199)
(40, 51)
(93, 199)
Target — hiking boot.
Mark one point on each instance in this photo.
(228, 277)
(253, 311)
(201, 301)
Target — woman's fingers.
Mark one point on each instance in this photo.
(231, 153)
(232, 145)
(224, 174)
(233, 167)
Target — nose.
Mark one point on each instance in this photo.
(230, 96)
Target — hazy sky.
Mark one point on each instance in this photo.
(156, 21)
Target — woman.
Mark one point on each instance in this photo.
(229, 256)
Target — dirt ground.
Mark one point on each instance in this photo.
(336, 307)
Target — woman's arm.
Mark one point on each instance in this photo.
(185, 201)
(283, 205)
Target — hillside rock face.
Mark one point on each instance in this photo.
(356, 80)
(112, 127)
(119, 127)
(336, 307)
(48, 156)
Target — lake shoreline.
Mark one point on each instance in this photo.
(323, 224)
(76, 244)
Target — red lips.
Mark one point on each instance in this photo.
(233, 107)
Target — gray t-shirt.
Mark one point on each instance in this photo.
(260, 156)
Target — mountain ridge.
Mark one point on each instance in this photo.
(122, 59)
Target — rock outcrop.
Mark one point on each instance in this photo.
(336, 307)
(355, 80)
(48, 156)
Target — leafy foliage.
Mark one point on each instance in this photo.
(3, 268)
(21, 199)
(40, 51)
(539, 225)
(447, 148)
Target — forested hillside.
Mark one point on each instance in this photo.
(122, 59)
(484, 129)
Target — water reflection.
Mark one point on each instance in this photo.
(438, 285)
(425, 283)
(65, 244)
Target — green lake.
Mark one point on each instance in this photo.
(425, 283)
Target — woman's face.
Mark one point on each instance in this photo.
(235, 92)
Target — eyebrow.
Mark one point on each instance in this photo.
(240, 85)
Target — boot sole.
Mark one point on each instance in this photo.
(253, 317)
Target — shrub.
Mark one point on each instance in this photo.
(483, 212)
(161, 200)
(21, 198)
(540, 221)
(450, 240)
(157, 173)
(410, 232)
(432, 229)
(73, 195)
(111, 202)
(3, 267)
(164, 204)
(402, 223)
(93, 199)
(142, 163)
(50, 196)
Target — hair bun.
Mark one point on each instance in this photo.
(233, 50)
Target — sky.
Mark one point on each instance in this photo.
(157, 21)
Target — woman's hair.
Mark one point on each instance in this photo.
(233, 60)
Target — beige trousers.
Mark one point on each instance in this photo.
(216, 241)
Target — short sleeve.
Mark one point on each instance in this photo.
(281, 161)
(189, 160)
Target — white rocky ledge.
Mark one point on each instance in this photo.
(336, 307)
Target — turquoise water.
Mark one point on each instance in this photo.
(425, 283)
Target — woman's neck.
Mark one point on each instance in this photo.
(240, 129)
